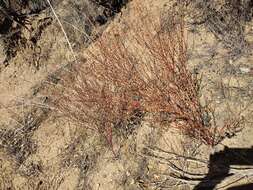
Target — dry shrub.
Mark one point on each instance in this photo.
(171, 92)
(141, 69)
(100, 105)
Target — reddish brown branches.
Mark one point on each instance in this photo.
(144, 69)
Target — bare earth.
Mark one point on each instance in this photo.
(42, 150)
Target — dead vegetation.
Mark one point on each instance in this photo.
(16, 18)
(22, 23)
(186, 169)
(18, 141)
(226, 21)
(146, 77)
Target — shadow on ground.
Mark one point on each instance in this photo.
(219, 166)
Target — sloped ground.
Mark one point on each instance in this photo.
(42, 150)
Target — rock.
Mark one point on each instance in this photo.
(244, 70)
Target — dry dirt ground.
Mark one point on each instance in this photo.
(40, 149)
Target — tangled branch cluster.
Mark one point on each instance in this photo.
(144, 71)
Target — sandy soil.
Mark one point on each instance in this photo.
(42, 150)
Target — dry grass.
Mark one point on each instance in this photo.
(140, 70)
(227, 22)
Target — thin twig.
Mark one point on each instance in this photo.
(63, 30)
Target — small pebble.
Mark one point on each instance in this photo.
(131, 182)
(244, 70)
(156, 176)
